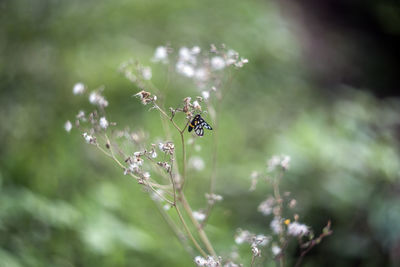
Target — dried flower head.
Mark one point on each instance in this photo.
(89, 139)
(145, 97)
(167, 147)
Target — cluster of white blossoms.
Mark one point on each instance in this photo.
(200, 66)
(103, 122)
(282, 161)
(276, 225)
(297, 229)
(160, 55)
(255, 241)
(199, 215)
(244, 236)
(212, 198)
(89, 138)
(96, 98)
(207, 262)
(267, 206)
(167, 148)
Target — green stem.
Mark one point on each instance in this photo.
(200, 230)
(189, 233)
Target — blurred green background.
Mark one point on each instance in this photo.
(64, 204)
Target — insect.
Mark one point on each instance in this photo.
(198, 123)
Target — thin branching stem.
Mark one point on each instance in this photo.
(173, 181)
(149, 184)
(203, 253)
(202, 234)
(181, 236)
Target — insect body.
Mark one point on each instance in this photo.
(198, 123)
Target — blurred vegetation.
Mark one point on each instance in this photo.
(64, 204)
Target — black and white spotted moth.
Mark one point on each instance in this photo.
(198, 123)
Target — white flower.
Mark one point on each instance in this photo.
(160, 55)
(201, 74)
(282, 161)
(241, 62)
(196, 105)
(285, 162)
(146, 175)
(273, 162)
(146, 73)
(68, 126)
(297, 229)
(168, 147)
(88, 138)
(134, 167)
(200, 261)
(185, 69)
(243, 236)
(196, 163)
(154, 154)
(200, 216)
(81, 115)
(217, 63)
(211, 262)
(276, 226)
(266, 206)
(137, 160)
(96, 99)
(205, 94)
(78, 89)
(212, 198)
(261, 240)
(231, 264)
(93, 97)
(103, 122)
(275, 250)
(186, 55)
(195, 50)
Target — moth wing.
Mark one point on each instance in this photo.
(199, 131)
(206, 125)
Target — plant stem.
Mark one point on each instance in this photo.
(189, 233)
(183, 160)
(181, 237)
(202, 234)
